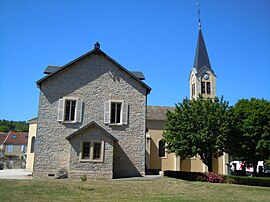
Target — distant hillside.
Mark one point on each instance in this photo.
(16, 126)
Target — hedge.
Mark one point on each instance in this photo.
(211, 177)
(190, 176)
(253, 181)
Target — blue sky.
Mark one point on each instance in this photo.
(157, 37)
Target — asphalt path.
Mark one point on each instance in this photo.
(15, 174)
(23, 174)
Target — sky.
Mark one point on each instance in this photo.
(157, 37)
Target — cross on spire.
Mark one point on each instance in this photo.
(199, 16)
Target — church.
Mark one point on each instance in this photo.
(202, 82)
(94, 120)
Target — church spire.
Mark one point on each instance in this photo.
(201, 56)
(199, 14)
(202, 79)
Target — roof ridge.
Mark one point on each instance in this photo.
(98, 51)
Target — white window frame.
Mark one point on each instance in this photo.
(62, 110)
(91, 154)
(123, 113)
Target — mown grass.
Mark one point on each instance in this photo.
(165, 189)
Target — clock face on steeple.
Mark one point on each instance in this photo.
(206, 76)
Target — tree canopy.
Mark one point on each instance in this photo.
(17, 126)
(250, 138)
(198, 127)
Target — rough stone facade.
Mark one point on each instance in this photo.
(102, 169)
(93, 79)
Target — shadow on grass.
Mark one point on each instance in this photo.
(87, 189)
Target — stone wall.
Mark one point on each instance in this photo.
(102, 169)
(94, 79)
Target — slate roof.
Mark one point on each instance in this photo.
(201, 57)
(50, 69)
(139, 75)
(33, 120)
(17, 138)
(94, 51)
(158, 112)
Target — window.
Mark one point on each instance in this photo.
(70, 106)
(161, 148)
(97, 150)
(86, 150)
(193, 89)
(23, 148)
(70, 110)
(208, 87)
(116, 113)
(203, 87)
(92, 151)
(32, 149)
(10, 147)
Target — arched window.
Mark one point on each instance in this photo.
(33, 145)
(161, 148)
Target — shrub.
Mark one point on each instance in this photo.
(253, 181)
(195, 176)
(83, 178)
(214, 178)
(190, 176)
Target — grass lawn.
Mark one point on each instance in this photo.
(164, 189)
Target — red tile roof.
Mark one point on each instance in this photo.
(3, 137)
(18, 138)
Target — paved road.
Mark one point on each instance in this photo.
(15, 174)
(23, 174)
(146, 177)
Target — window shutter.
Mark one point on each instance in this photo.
(61, 110)
(79, 111)
(107, 112)
(125, 113)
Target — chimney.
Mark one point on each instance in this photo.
(97, 46)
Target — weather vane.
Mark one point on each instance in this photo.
(198, 4)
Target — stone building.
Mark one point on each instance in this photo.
(14, 145)
(91, 119)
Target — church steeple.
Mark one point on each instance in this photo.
(201, 57)
(202, 79)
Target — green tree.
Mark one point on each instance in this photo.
(250, 138)
(198, 127)
(17, 126)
